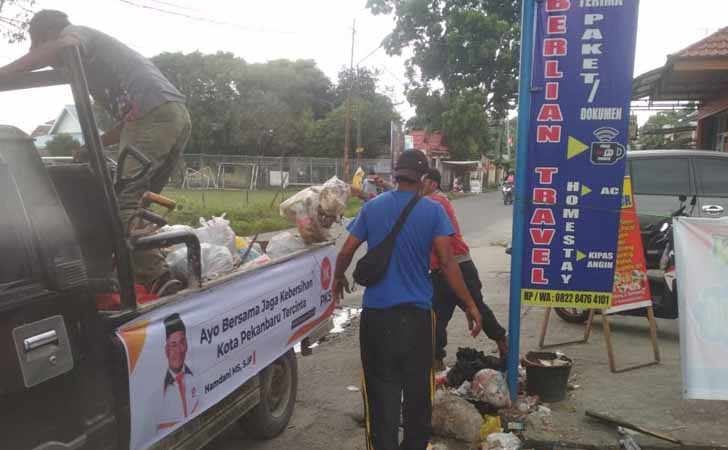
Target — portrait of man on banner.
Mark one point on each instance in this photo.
(180, 394)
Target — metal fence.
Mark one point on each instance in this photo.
(253, 172)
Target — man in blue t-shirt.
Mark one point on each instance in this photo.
(396, 331)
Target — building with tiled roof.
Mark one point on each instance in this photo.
(698, 73)
(715, 45)
(429, 143)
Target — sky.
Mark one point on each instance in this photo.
(263, 30)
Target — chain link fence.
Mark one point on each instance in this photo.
(264, 172)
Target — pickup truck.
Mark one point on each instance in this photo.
(172, 373)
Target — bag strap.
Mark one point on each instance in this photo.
(403, 217)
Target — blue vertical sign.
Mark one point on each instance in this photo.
(581, 82)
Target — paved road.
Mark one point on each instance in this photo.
(327, 413)
(478, 214)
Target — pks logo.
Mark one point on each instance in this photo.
(325, 273)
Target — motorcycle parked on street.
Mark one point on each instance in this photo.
(507, 191)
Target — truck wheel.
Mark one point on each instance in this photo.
(572, 315)
(278, 386)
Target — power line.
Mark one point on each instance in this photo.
(392, 74)
(204, 19)
(370, 53)
(174, 5)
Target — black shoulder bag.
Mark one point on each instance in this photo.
(372, 266)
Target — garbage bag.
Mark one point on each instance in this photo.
(283, 244)
(303, 210)
(491, 424)
(503, 441)
(315, 209)
(176, 227)
(456, 418)
(469, 362)
(490, 386)
(217, 260)
(217, 231)
(358, 179)
(261, 260)
(252, 254)
(333, 197)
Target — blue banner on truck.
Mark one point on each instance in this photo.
(579, 126)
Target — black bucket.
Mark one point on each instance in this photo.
(547, 375)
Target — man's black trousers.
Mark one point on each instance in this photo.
(444, 302)
(396, 354)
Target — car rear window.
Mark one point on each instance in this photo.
(660, 176)
(712, 175)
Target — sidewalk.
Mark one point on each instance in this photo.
(650, 397)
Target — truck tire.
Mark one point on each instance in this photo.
(572, 315)
(278, 387)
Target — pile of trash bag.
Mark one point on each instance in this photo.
(283, 244)
(315, 209)
(216, 260)
(469, 362)
(218, 248)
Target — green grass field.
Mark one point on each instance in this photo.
(248, 213)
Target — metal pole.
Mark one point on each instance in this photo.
(519, 208)
(391, 146)
(347, 126)
(79, 88)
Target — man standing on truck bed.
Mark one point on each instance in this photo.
(150, 111)
(396, 331)
(445, 300)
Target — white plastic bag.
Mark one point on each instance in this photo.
(176, 227)
(283, 244)
(333, 197)
(217, 231)
(503, 441)
(216, 261)
(490, 386)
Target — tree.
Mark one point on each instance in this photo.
(293, 103)
(463, 72)
(372, 113)
(14, 18)
(651, 135)
(62, 145)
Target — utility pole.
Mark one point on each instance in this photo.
(347, 130)
(358, 115)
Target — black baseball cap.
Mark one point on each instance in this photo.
(434, 175)
(411, 164)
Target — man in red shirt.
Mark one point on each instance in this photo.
(444, 299)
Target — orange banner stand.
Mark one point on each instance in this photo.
(631, 286)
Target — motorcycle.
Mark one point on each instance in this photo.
(507, 191)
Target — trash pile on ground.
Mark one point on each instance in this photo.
(473, 404)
